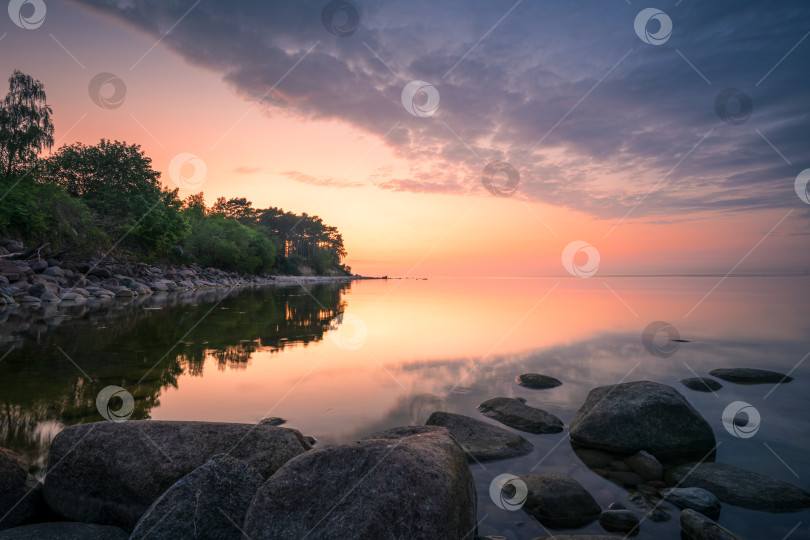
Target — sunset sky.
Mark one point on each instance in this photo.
(623, 135)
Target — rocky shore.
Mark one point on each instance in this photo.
(163, 479)
(29, 280)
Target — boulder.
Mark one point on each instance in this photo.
(535, 380)
(206, 503)
(646, 465)
(101, 273)
(480, 440)
(39, 266)
(741, 487)
(272, 421)
(42, 287)
(701, 384)
(64, 531)
(54, 271)
(111, 472)
(159, 286)
(50, 298)
(515, 413)
(74, 297)
(750, 376)
(643, 415)
(559, 501)
(619, 521)
(411, 482)
(19, 493)
(123, 292)
(694, 498)
(580, 537)
(698, 527)
(10, 270)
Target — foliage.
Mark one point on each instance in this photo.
(43, 213)
(117, 181)
(107, 197)
(218, 241)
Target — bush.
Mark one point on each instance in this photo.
(225, 243)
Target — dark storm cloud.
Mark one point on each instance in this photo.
(649, 116)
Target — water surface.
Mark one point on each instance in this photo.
(342, 361)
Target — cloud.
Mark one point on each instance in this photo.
(323, 181)
(591, 116)
(246, 170)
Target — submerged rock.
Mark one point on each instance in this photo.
(694, 498)
(480, 440)
(646, 465)
(740, 487)
(411, 482)
(64, 530)
(701, 384)
(110, 473)
(750, 376)
(699, 527)
(654, 512)
(515, 413)
(205, 503)
(20, 494)
(643, 415)
(535, 380)
(619, 521)
(559, 501)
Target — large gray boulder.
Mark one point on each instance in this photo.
(740, 487)
(110, 473)
(515, 413)
(643, 415)
(204, 504)
(559, 501)
(20, 493)
(64, 530)
(411, 482)
(481, 441)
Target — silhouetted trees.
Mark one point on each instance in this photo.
(91, 199)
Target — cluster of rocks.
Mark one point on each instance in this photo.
(156, 479)
(643, 436)
(160, 479)
(37, 282)
(735, 375)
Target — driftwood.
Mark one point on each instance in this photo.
(27, 253)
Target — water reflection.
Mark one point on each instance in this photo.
(428, 345)
(56, 361)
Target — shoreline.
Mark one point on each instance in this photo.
(36, 284)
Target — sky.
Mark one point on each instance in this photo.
(460, 137)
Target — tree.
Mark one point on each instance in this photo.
(25, 123)
(117, 181)
(194, 206)
(240, 209)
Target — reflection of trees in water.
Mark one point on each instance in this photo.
(143, 349)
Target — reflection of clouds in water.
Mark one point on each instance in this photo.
(606, 359)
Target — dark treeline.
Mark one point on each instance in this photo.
(84, 201)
